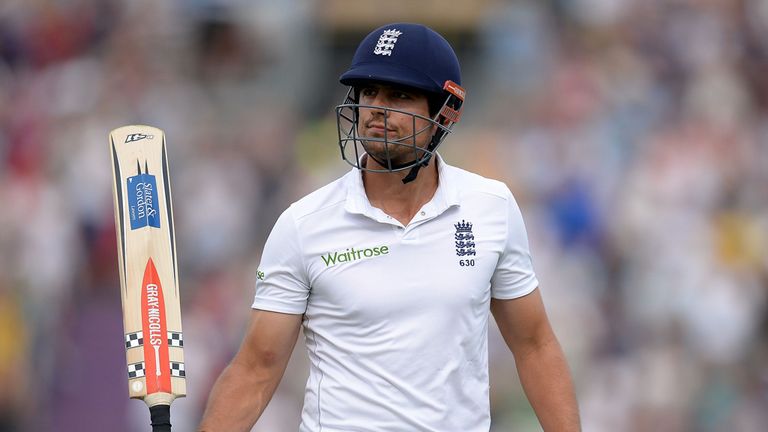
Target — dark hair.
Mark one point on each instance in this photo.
(435, 101)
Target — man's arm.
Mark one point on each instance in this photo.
(245, 387)
(540, 361)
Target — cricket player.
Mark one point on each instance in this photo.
(393, 270)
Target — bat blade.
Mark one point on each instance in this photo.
(148, 267)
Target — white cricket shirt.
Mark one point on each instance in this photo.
(396, 317)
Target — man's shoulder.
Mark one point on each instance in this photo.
(326, 197)
(473, 183)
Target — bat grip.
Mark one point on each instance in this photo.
(160, 415)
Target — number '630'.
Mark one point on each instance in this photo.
(467, 262)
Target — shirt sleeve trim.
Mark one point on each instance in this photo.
(529, 288)
(274, 305)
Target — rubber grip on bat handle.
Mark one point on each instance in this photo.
(160, 416)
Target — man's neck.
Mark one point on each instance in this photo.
(387, 192)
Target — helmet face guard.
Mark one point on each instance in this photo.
(353, 146)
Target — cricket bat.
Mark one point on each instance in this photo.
(149, 279)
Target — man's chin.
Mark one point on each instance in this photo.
(393, 161)
(396, 156)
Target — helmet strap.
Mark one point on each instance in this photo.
(448, 114)
(436, 138)
(413, 173)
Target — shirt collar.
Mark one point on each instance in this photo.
(447, 188)
(446, 195)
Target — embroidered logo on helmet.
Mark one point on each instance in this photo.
(386, 42)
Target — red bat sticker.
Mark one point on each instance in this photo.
(157, 365)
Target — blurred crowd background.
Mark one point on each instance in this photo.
(634, 134)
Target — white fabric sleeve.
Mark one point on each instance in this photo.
(514, 276)
(281, 281)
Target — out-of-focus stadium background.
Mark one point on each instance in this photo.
(634, 134)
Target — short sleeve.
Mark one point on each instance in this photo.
(281, 281)
(514, 276)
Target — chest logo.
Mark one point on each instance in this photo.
(465, 239)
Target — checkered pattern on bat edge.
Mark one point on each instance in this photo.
(133, 340)
(175, 339)
(136, 370)
(177, 370)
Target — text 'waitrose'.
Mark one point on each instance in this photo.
(352, 254)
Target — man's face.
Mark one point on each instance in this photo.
(399, 127)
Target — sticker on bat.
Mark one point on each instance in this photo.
(137, 137)
(142, 199)
(156, 360)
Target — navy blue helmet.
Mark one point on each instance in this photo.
(411, 56)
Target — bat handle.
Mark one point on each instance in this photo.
(160, 415)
